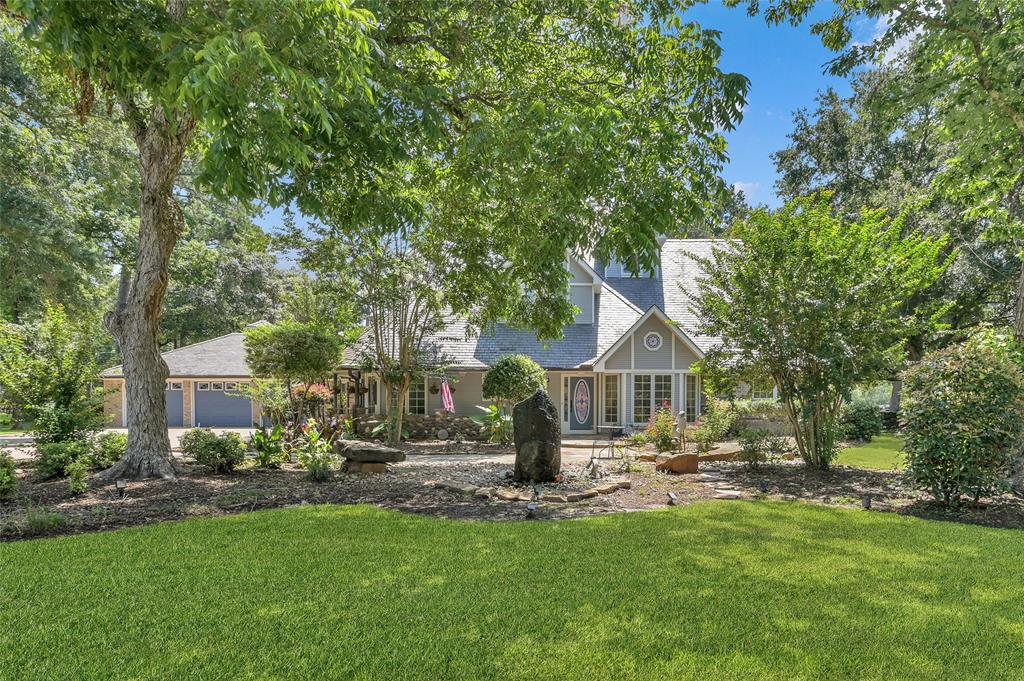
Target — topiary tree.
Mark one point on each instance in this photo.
(964, 420)
(512, 379)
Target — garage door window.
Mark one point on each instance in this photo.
(203, 386)
(216, 386)
(231, 385)
(174, 385)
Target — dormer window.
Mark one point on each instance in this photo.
(618, 268)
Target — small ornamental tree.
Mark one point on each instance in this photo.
(817, 304)
(293, 353)
(512, 379)
(963, 417)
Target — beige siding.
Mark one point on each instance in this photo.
(658, 360)
(112, 402)
(467, 392)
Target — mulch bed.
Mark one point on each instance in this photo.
(411, 486)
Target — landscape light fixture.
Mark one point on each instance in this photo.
(866, 501)
(122, 487)
(764, 486)
(531, 509)
(672, 497)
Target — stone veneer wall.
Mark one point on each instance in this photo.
(425, 427)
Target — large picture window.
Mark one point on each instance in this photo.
(663, 392)
(611, 398)
(418, 397)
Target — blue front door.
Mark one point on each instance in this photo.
(581, 403)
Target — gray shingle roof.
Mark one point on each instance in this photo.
(620, 303)
(218, 357)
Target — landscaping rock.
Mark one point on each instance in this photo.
(456, 486)
(647, 457)
(514, 495)
(484, 493)
(607, 488)
(725, 494)
(554, 498)
(625, 484)
(365, 467)
(538, 439)
(679, 464)
(356, 450)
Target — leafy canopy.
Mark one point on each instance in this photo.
(290, 351)
(816, 303)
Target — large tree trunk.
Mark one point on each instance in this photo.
(135, 322)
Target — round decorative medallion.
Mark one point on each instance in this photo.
(653, 341)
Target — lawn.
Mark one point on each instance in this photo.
(883, 453)
(720, 590)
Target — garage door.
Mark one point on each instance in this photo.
(216, 406)
(174, 399)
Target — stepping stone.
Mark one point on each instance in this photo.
(607, 488)
(710, 477)
(727, 495)
(625, 484)
(483, 493)
(554, 498)
(580, 496)
(456, 486)
(513, 495)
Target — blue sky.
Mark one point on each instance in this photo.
(785, 65)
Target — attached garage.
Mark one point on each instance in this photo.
(174, 396)
(217, 405)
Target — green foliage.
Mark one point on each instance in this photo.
(289, 351)
(47, 370)
(53, 459)
(513, 378)
(818, 304)
(8, 476)
(718, 418)
(963, 418)
(768, 409)
(860, 421)
(638, 439)
(753, 446)
(271, 394)
(77, 473)
(661, 431)
(58, 423)
(40, 521)
(494, 423)
(269, 447)
(315, 453)
(6, 422)
(219, 453)
(106, 450)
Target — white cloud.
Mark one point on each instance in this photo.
(748, 188)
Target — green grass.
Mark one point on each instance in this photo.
(721, 590)
(883, 452)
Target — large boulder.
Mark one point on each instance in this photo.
(538, 439)
(368, 452)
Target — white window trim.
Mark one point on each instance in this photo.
(200, 388)
(214, 388)
(175, 385)
(654, 406)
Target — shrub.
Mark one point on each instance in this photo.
(513, 378)
(6, 421)
(963, 417)
(753, 446)
(107, 449)
(661, 430)
(53, 458)
(8, 477)
(315, 453)
(268, 447)
(55, 423)
(860, 420)
(43, 521)
(777, 446)
(497, 426)
(218, 453)
(719, 419)
(638, 439)
(77, 472)
(704, 438)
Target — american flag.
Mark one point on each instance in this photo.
(446, 396)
